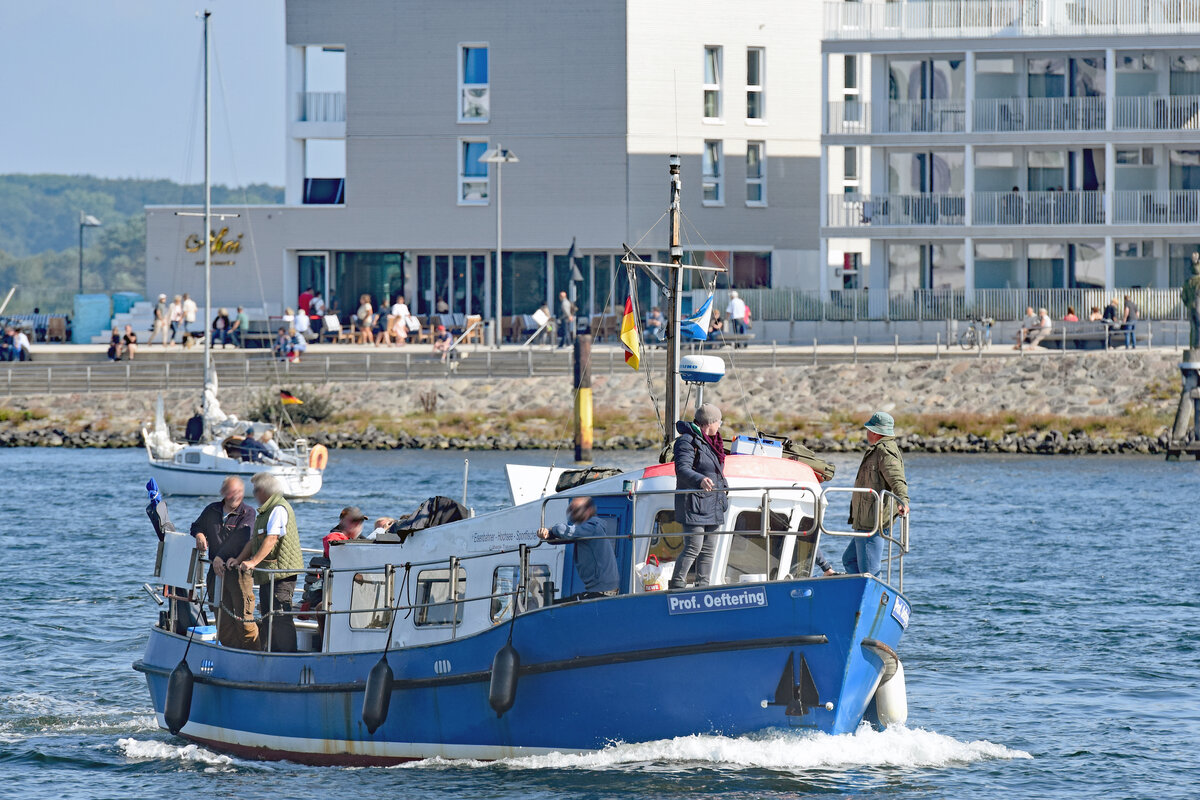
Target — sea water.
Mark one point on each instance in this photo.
(1052, 651)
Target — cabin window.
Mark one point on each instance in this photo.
(754, 554)
(369, 596)
(667, 541)
(505, 582)
(433, 597)
(191, 458)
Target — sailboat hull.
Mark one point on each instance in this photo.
(793, 656)
(199, 480)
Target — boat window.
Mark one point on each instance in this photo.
(192, 458)
(749, 555)
(433, 592)
(505, 581)
(667, 542)
(369, 601)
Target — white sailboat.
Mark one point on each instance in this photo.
(197, 468)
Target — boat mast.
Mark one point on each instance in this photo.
(675, 292)
(207, 230)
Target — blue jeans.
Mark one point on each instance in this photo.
(221, 337)
(1130, 337)
(864, 555)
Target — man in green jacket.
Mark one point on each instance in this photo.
(882, 468)
(274, 545)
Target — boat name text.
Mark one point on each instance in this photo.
(901, 610)
(716, 600)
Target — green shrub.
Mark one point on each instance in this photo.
(314, 407)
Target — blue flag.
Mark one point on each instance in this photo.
(696, 326)
(152, 490)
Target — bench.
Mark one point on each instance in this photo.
(1088, 336)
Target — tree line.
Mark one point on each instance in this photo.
(39, 232)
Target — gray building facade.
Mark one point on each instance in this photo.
(591, 97)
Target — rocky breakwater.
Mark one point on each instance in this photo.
(1117, 402)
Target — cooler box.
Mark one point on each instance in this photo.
(204, 633)
(748, 446)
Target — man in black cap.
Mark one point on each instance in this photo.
(350, 523)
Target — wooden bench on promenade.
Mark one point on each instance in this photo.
(1088, 336)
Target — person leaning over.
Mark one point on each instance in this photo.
(223, 528)
(882, 468)
(274, 545)
(595, 558)
(700, 466)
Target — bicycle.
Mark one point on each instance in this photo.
(978, 334)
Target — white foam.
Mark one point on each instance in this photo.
(163, 751)
(783, 751)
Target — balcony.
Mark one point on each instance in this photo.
(954, 19)
(1038, 208)
(1165, 207)
(900, 116)
(322, 107)
(1039, 114)
(895, 210)
(1174, 113)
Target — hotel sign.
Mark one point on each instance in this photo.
(219, 244)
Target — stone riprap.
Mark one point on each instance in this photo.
(373, 415)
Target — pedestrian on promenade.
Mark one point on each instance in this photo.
(1131, 321)
(736, 313)
(566, 320)
(241, 324)
(189, 314)
(221, 328)
(175, 319)
(161, 323)
(882, 469)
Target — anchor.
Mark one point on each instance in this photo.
(797, 696)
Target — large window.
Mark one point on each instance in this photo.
(756, 66)
(378, 274)
(472, 174)
(712, 82)
(714, 171)
(434, 597)
(474, 97)
(756, 174)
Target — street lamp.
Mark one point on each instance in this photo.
(499, 156)
(85, 221)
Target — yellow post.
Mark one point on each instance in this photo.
(583, 398)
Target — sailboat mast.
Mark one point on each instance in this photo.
(207, 224)
(675, 281)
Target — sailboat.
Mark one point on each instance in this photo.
(199, 467)
(470, 639)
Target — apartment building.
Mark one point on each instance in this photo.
(392, 105)
(976, 145)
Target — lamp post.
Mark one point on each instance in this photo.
(85, 221)
(499, 156)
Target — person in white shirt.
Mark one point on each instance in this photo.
(398, 323)
(302, 324)
(189, 314)
(736, 311)
(21, 346)
(175, 318)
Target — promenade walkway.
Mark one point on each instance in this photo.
(71, 368)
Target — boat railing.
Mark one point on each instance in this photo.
(897, 540)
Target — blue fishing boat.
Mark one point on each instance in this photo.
(469, 639)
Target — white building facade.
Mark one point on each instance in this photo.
(385, 193)
(970, 146)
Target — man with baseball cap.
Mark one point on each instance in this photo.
(882, 469)
(350, 523)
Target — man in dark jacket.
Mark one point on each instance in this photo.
(223, 528)
(882, 469)
(595, 558)
(699, 465)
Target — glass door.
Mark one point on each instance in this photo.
(313, 272)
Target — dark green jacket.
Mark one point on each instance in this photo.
(882, 468)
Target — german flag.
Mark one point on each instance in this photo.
(630, 337)
(289, 399)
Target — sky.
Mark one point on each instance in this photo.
(113, 88)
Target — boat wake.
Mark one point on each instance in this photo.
(28, 714)
(143, 750)
(779, 750)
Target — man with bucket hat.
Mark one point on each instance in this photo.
(882, 468)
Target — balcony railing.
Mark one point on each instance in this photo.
(890, 210)
(898, 116)
(1038, 208)
(1174, 113)
(950, 19)
(322, 107)
(1039, 114)
(1165, 207)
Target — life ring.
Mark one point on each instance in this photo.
(318, 457)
